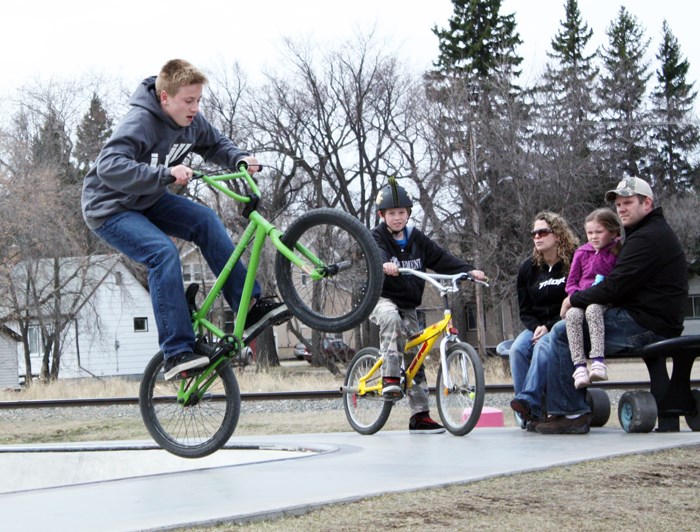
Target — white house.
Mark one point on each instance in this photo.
(692, 311)
(114, 331)
(8, 360)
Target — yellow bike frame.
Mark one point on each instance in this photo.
(427, 337)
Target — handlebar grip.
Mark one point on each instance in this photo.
(170, 179)
(244, 165)
(167, 180)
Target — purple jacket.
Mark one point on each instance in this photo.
(588, 263)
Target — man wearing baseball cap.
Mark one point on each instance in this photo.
(646, 293)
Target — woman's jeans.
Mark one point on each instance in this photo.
(145, 237)
(520, 356)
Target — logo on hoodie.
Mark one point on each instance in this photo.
(552, 282)
(177, 152)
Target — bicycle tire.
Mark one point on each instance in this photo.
(337, 302)
(366, 413)
(460, 404)
(189, 431)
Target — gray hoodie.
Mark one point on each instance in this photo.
(128, 172)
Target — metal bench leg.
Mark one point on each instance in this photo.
(673, 396)
(659, 383)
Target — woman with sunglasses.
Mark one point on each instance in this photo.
(540, 286)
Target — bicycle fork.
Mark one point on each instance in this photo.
(447, 339)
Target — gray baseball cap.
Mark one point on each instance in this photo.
(630, 186)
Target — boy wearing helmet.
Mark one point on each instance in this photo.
(402, 246)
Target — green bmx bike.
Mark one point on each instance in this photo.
(329, 274)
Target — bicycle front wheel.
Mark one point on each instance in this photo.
(194, 430)
(345, 252)
(460, 393)
(367, 413)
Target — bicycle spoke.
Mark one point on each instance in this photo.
(367, 413)
(195, 430)
(460, 403)
(345, 286)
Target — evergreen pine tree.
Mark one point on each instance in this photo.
(51, 148)
(675, 136)
(93, 132)
(566, 110)
(479, 42)
(622, 93)
(478, 114)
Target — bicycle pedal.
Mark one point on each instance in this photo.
(395, 396)
(189, 373)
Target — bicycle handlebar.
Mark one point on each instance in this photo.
(170, 179)
(436, 278)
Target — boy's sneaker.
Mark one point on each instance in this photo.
(581, 379)
(264, 312)
(599, 371)
(173, 366)
(391, 388)
(422, 424)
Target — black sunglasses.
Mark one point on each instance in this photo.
(541, 232)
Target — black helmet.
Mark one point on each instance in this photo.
(393, 196)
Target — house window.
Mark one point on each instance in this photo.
(191, 272)
(34, 340)
(140, 324)
(692, 307)
(471, 317)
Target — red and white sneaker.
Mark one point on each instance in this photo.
(422, 424)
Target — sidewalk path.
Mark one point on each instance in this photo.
(133, 486)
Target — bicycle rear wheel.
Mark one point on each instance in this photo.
(369, 412)
(198, 429)
(353, 276)
(461, 400)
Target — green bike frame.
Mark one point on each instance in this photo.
(258, 229)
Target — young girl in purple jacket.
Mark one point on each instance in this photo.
(591, 263)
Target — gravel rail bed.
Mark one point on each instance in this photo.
(93, 413)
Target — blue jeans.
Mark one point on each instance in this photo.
(535, 379)
(144, 237)
(556, 367)
(519, 356)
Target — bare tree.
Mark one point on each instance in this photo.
(328, 126)
(41, 221)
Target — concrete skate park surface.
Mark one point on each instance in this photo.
(136, 486)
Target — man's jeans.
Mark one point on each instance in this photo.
(144, 237)
(552, 361)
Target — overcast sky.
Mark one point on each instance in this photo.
(131, 39)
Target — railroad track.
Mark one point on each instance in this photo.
(272, 396)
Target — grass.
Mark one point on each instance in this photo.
(298, 376)
(76, 424)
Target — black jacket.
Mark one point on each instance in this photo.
(420, 253)
(649, 280)
(540, 293)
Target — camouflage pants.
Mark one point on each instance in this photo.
(596, 331)
(395, 325)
